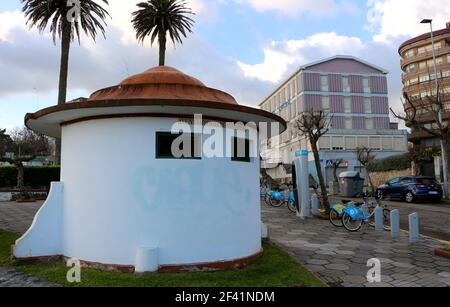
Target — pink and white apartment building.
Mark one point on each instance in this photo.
(354, 93)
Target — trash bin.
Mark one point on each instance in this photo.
(351, 184)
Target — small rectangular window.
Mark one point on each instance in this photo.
(387, 143)
(324, 83)
(348, 123)
(338, 143)
(348, 105)
(326, 104)
(325, 143)
(241, 150)
(375, 143)
(363, 142)
(346, 84)
(368, 105)
(164, 141)
(369, 124)
(350, 143)
(366, 84)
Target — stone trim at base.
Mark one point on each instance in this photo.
(200, 267)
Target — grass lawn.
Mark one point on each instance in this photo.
(274, 269)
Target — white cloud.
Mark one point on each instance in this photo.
(121, 11)
(391, 19)
(279, 56)
(10, 21)
(293, 7)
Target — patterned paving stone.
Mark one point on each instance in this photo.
(340, 258)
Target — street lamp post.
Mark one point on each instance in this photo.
(440, 117)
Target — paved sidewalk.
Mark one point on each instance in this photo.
(340, 257)
(18, 218)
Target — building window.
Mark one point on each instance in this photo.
(366, 85)
(409, 53)
(363, 141)
(350, 143)
(338, 143)
(399, 144)
(241, 150)
(369, 124)
(346, 85)
(325, 143)
(375, 143)
(368, 105)
(410, 67)
(348, 105)
(324, 83)
(326, 104)
(164, 141)
(424, 78)
(422, 65)
(348, 123)
(387, 143)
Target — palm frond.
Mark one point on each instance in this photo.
(156, 18)
(54, 13)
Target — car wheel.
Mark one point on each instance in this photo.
(409, 197)
(380, 195)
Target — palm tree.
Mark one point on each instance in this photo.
(155, 18)
(66, 19)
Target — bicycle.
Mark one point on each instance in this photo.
(278, 199)
(356, 218)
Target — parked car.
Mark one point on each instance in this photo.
(411, 189)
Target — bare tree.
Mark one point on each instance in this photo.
(23, 145)
(364, 156)
(426, 115)
(314, 125)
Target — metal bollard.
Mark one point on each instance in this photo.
(379, 220)
(413, 228)
(395, 224)
(315, 204)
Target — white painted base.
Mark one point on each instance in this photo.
(44, 237)
(264, 231)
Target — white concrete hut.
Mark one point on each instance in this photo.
(125, 202)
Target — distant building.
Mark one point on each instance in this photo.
(355, 94)
(419, 81)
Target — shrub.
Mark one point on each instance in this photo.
(394, 163)
(35, 177)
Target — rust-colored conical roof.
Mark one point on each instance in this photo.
(162, 83)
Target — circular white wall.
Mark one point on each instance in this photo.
(119, 197)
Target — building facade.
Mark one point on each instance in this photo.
(419, 82)
(355, 94)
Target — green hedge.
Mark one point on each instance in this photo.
(394, 163)
(35, 176)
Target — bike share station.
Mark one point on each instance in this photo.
(351, 215)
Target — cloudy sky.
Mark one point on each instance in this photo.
(245, 47)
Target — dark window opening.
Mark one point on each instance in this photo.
(164, 141)
(241, 150)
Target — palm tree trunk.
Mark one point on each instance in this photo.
(162, 48)
(323, 187)
(63, 73)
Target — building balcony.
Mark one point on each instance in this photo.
(428, 70)
(424, 56)
(427, 85)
